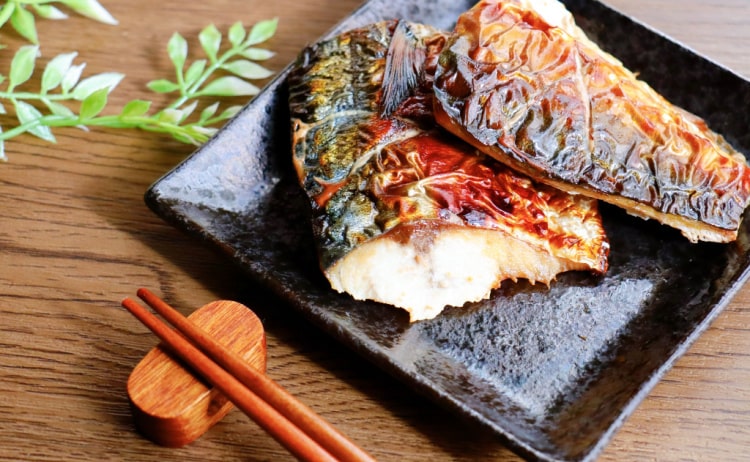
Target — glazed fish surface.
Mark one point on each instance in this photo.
(521, 82)
(406, 214)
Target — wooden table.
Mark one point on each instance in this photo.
(76, 238)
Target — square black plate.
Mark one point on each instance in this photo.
(554, 371)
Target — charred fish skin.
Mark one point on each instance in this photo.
(531, 90)
(396, 202)
(334, 90)
(331, 89)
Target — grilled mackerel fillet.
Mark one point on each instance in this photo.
(406, 214)
(521, 82)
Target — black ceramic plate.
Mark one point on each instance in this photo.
(554, 371)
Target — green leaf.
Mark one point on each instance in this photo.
(207, 131)
(247, 69)
(210, 39)
(6, 11)
(22, 65)
(71, 77)
(187, 110)
(230, 112)
(177, 49)
(236, 34)
(59, 109)
(56, 70)
(49, 12)
(185, 138)
(257, 54)
(170, 116)
(262, 31)
(229, 86)
(107, 80)
(162, 86)
(27, 113)
(195, 71)
(91, 9)
(207, 112)
(94, 103)
(135, 108)
(23, 22)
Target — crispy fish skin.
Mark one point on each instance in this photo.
(522, 83)
(406, 214)
(334, 91)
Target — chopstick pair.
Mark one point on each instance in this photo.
(305, 434)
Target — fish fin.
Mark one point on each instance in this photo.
(403, 67)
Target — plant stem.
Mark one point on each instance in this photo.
(31, 2)
(192, 90)
(112, 121)
(10, 95)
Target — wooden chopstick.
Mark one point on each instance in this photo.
(296, 441)
(294, 425)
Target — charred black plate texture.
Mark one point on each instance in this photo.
(554, 371)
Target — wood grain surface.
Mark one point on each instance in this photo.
(76, 237)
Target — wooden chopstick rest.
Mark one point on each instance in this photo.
(173, 407)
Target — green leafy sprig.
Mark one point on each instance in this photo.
(20, 14)
(62, 88)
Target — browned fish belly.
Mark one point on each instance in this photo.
(522, 83)
(406, 214)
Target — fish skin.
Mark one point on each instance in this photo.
(334, 92)
(545, 100)
(400, 184)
